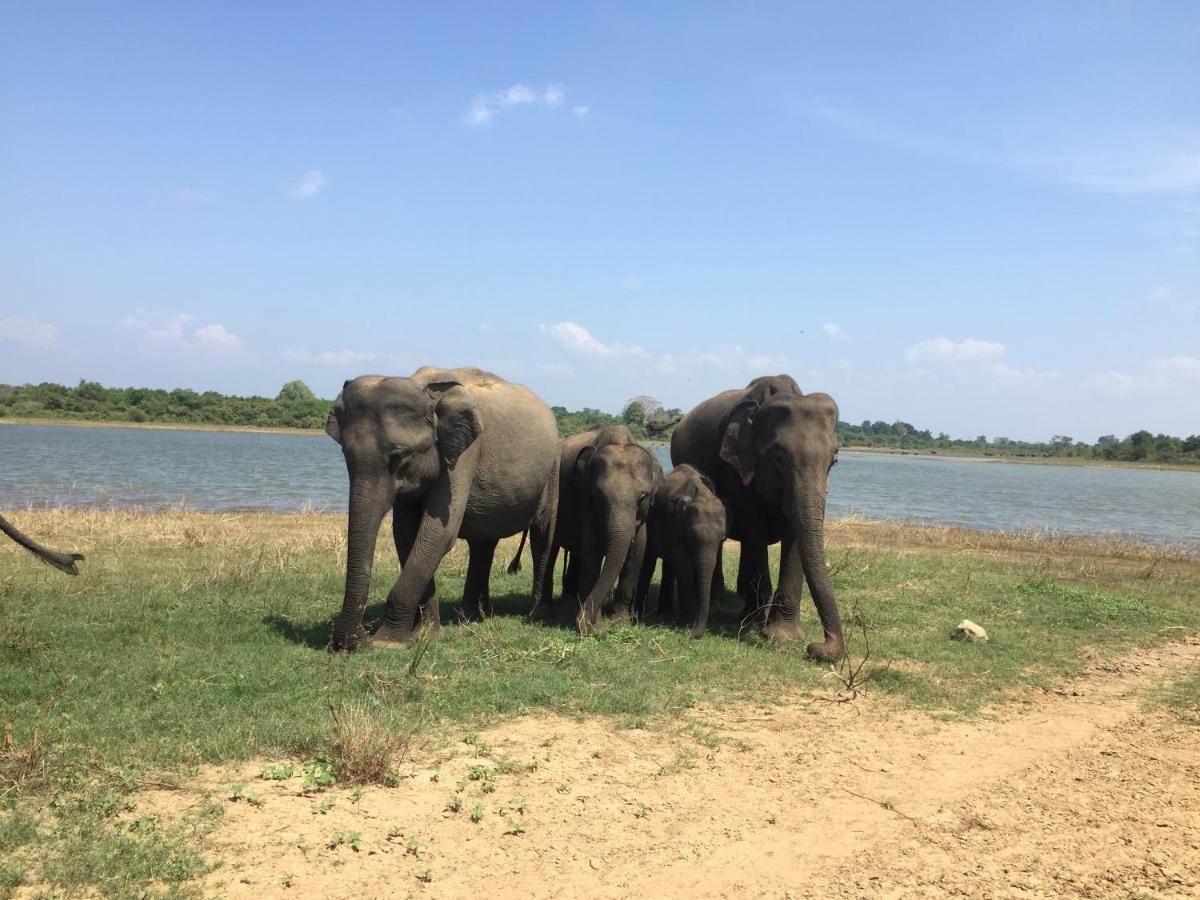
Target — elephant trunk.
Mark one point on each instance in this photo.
(706, 565)
(368, 504)
(619, 528)
(809, 526)
(64, 562)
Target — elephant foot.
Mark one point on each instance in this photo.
(623, 615)
(698, 632)
(349, 643)
(831, 651)
(388, 637)
(584, 624)
(783, 630)
(544, 612)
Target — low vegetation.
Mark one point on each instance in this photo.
(194, 639)
(296, 406)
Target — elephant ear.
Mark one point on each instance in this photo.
(333, 424)
(456, 420)
(737, 444)
(582, 461)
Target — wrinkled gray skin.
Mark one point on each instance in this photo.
(568, 525)
(768, 448)
(685, 528)
(606, 483)
(453, 453)
(64, 562)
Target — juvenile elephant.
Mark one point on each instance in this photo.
(452, 453)
(768, 449)
(568, 525)
(64, 562)
(685, 528)
(606, 483)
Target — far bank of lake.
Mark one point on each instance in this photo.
(220, 471)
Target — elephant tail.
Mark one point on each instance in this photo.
(515, 566)
(64, 562)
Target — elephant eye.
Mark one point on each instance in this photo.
(398, 456)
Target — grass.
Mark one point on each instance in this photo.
(198, 638)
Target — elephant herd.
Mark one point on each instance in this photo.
(462, 453)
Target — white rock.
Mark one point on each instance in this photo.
(969, 631)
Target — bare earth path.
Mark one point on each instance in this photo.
(1074, 793)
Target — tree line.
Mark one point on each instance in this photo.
(296, 406)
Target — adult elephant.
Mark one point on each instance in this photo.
(64, 562)
(768, 448)
(452, 453)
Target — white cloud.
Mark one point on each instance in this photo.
(943, 350)
(833, 330)
(485, 108)
(632, 283)
(1172, 172)
(574, 338)
(1165, 297)
(218, 339)
(578, 341)
(330, 357)
(581, 111)
(32, 333)
(1178, 365)
(212, 339)
(309, 185)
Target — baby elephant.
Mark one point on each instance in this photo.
(686, 528)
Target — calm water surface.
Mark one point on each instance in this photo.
(212, 470)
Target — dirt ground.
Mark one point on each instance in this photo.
(1084, 792)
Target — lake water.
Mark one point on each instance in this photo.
(210, 470)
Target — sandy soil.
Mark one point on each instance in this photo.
(1084, 792)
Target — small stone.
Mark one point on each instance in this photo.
(969, 631)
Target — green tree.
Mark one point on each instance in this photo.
(295, 391)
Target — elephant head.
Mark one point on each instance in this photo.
(616, 483)
(783, 447)
(399, 439)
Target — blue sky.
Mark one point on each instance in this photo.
(980, 218)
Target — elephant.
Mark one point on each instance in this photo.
(768, 448)
(452, 453)
(606, 481)
(686, 529)
(64, 562)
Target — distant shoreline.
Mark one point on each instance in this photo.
(934, 455)
(161, 426)
(942, 454)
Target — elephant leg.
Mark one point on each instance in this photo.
(477, 600)
(571, 578)
(666, 589)
(544, 607)
(718, 583)
(406, 522)
(542, 540)
(413, 599)
(645, 575)
(754, 579)
(685, 591)
(631, 572)
(783, 619)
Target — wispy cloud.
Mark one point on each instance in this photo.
(580, 111)
(342, 357)
(833, 330)
(631, 283)
(576, 340)
(213, 339)
(944, 350)
(31, 333)
(1163, 296)
(485, 108)
(1181, 365)
(309, 185)
(1163, 163)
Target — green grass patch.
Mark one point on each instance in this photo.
(199, 640)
